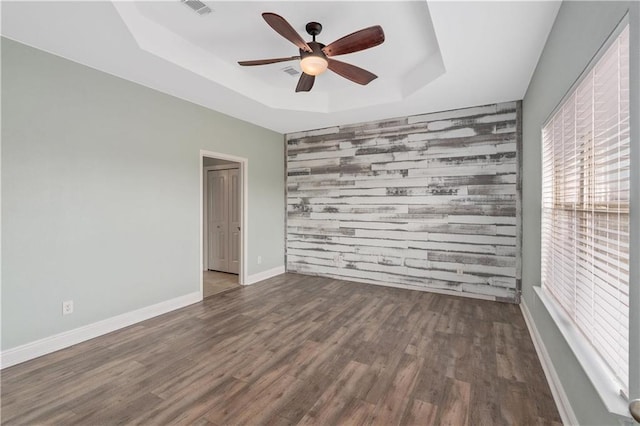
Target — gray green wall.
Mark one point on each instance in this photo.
(100, 193)
(579, 31)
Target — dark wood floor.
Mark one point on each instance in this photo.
(296, 349)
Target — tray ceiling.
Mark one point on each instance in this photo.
(436, 56)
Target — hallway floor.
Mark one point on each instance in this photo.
(215, 282)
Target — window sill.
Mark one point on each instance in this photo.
(591, 363)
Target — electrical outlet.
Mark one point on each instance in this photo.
(460, 271)
(67, 307)
(259, 260)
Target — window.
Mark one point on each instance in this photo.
(585, 207)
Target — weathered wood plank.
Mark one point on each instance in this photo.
(404, 281)
(317, 132)
(405, 199)
(377, 181)
(463, 113)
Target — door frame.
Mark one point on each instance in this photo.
(244, 209)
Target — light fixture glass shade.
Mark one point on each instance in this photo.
(313, 65)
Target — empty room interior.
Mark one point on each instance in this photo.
(320, 212)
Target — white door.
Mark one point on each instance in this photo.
(234, 221)
(218, 220)
(223, 220)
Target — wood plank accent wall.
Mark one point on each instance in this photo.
(426, 202)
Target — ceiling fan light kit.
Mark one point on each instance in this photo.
(313, 65)
(315, 57)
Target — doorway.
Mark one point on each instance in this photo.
(223, 222)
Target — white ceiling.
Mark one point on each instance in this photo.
(436, 56)
(211, 46)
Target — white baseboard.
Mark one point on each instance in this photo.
(65, 339)
(260, 276)
(559, 396)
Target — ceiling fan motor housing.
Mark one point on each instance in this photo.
(316, 50)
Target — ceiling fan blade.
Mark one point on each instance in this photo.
(282, 27)
(305, 83)
(267, 61)
(354, 42)
(351, 72)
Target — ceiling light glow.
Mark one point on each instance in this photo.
(313, 65)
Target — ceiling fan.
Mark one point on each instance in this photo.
(315, 57)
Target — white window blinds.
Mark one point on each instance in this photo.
(585, 207)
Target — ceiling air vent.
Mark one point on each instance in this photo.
(291, 71)
(197, 6)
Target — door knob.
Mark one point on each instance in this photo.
(634, 409)
(238, 228)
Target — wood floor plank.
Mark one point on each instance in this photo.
(517, 406)
(357, 412)
(291, 350)
(392, 408)
(421, 413)
(510, 365)
(429, 387)
(454, 406)
(264, 405)
(297, 403)
(196, 404)
(236, 404)
(333, 401)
